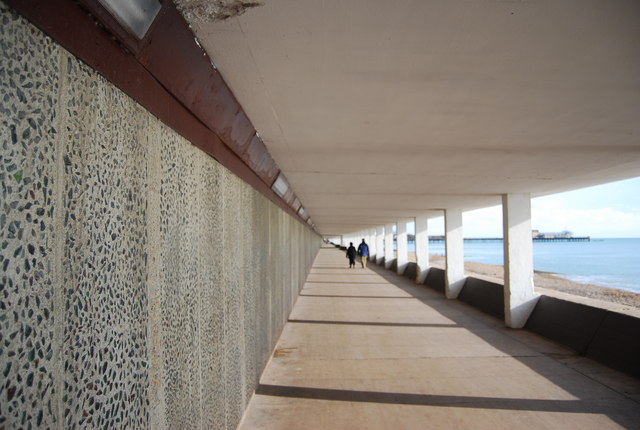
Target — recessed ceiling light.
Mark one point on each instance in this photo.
(280, 186)
(134, 15)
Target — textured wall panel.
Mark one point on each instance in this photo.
(179, 281)
(28, 101)
(103, 207)
(260, 222)
(212, 306)
(233, 277)
(155, 134)
(143, 285)
(275, 281)
(249, 302)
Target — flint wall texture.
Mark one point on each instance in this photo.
(143, 285)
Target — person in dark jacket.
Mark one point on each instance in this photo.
(351, 255)
(363, 252)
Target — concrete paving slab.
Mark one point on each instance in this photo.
(366, 349)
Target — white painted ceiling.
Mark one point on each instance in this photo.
(380, 110)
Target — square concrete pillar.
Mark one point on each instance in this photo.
(371, 241)
(519, 298)
(358, 238)
(402, 247)
(379, 244)
(454, 252)
(388, 245)
(422, 248)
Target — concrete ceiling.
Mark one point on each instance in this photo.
(379, 110)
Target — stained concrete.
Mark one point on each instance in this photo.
(366, 348)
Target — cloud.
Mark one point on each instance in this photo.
(557, 213)
(485, 222)
(551, 215)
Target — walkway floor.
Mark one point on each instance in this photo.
(366, 349)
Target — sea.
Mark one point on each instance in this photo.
(613, 263)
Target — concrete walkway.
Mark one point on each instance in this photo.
(366, 349)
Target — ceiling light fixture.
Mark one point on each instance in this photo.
(134, 15)
(280, 185)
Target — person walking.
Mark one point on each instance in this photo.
(351, 255)
(363, 252)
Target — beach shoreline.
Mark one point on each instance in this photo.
(553, 285)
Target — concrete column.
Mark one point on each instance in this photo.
(519, 298)
(341, 240)
(361, 235)
(371, 238)
(422, 248)
(349, 239)
(403, 249)
(388, 245)
(454, 250)
(379, 244)
(372, 243)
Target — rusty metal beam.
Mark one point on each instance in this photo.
(171, 76)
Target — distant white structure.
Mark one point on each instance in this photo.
(566, 234)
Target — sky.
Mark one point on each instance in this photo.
(604, 211)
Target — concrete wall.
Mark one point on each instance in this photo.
(605, 336)
(143, 285)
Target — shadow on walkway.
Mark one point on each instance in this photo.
(389, 353)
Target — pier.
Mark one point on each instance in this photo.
(499, 239)
(562, 239)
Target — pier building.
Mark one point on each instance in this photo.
(169, 169)
(563, 236)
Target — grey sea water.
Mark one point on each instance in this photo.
(613, 263)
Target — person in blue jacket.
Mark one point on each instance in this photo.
(363, 252)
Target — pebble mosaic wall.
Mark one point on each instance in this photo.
(29, 93)
(143, 285)
(102, 241)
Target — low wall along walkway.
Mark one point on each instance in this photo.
(143, 285)
(603, 335)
